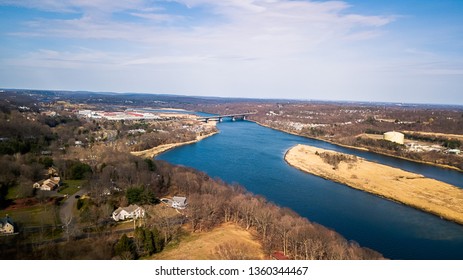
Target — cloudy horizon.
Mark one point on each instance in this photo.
(386, 51)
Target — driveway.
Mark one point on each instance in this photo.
(67, 207)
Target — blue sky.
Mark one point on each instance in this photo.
(395, 51)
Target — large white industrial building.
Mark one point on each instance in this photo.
(394, 136)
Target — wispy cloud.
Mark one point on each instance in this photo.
(221, 47)
(247, 30)
(75, 58)
(73, 6)
(158, 17)
(268, 19)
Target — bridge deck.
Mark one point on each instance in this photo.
(226, 116)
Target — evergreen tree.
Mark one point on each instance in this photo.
(124, 248)
(149, 242)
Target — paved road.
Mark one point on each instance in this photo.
(68, 205)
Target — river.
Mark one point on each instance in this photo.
(252, 156)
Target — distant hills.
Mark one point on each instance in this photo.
(24, 97)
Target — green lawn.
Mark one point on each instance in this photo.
(13, 193)
(72, 186)
(36, 215)
(21, 190)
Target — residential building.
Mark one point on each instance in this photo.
(48, 184)
(278, 255)
(6, 225)
(52, 172)
(130, 212)
(179, 202)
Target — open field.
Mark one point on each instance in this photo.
(411, 189)
(72, 186)
(203, 245)
(36, 215)
(14, 193)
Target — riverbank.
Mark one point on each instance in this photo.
(363, 149)
(415, 190)
(150, 153)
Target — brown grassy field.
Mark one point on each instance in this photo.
(429, 195)
(204, 245)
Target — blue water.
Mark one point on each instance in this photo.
(246, 153)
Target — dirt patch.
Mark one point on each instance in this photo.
(22, 203)
(205, 245)
(429, 195)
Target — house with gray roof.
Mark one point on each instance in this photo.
(179, 202)
(130, 212)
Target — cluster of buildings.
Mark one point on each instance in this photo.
(130, 212)
(415, 147)
(134, 211)
(51, 183)
(399, 138)
(118, 116)
(297, 125)
(136, 131)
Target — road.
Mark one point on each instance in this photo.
(68, 205)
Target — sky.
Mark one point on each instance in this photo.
(384, 50)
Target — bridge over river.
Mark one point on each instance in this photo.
(219, 118)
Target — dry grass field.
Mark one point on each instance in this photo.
(415, 190)
(228, 239)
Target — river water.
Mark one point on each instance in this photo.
(252, 156)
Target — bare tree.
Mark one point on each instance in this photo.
(167, 224)
(285, 225)
(248, 206)
(264, 218)
(69, 227)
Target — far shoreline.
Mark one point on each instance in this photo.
(363, 149)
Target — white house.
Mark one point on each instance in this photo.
(6, 225)
(130, 212)
(179, 202)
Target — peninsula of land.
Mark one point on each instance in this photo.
(150, 153)
(415, 190)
